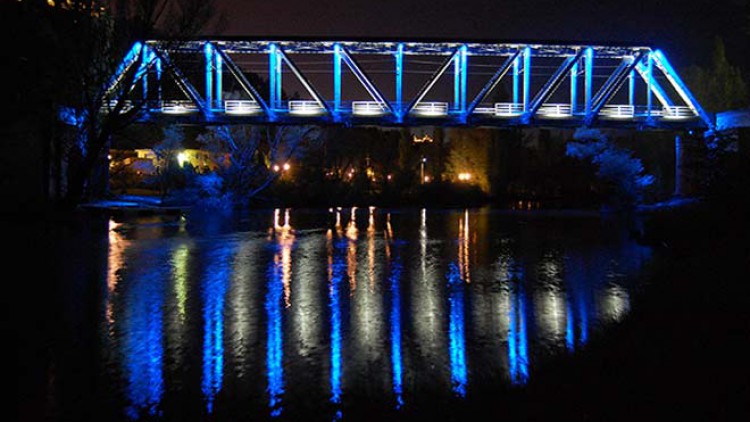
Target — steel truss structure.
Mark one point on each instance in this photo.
(610, 86)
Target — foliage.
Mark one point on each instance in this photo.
(83, 41)
(720, 86)
(469, 153)
(251, 154)
(622, 174)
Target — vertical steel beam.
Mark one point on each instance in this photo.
(399, 106)
(145, 56)
(573, 87)
(526, 78)
(589, 75)
(464, 58)
(208, 54)
(649, 83)
(631, 88)
(219, 79)
(336, 79)
(274, 78)
(159, 71)
(516, 73)
(457, 81)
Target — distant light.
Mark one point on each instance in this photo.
(427, 179)
(424, 159)
(276, 168)
(389, 177)
(109, 156)
(286, 167)
(425, 138)
(464, 177)
(182, 157)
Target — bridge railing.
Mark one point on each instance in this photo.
(431, 109)
(367, 108)
(678, 112)
(555, 110)
(508, 109)
(242, 107)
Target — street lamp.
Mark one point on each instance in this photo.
(421, 170)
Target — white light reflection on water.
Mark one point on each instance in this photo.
(386, 312)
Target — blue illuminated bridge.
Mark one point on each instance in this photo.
(242, 81)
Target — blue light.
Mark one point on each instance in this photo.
(399, 82)
(589, 77)
(518, 359)
(583, 320)
(516, 73)
(274, 78)
(130, 58)
(208, 52)
(457, 81)
(274, 340)
(456, 334)
(143, 69)
(214, 290)
(336, 79)
(395, 279)
(158, 79)
(526, 78)
(574, 87)
(219, 78)
(143, 341)
(337, 272)
(631, 88)
(570, 341)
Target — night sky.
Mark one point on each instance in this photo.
(683, 28)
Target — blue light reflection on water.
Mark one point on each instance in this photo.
(395, 281)
(143, 338)
(274, 341)
(336, 271)
(215, 286)
(578, 285)
(518, 357)
(456, 334)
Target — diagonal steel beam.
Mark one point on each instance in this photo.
(433, 79)
(663, 64)
(364, 79)
(241, 79)
(185, 86)
(656, 88)
(613, 84)
(130, 58)
(551, 85)
(310, 89)
(608, 84)
(492, 82)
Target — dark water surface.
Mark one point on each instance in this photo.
(306, 314)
